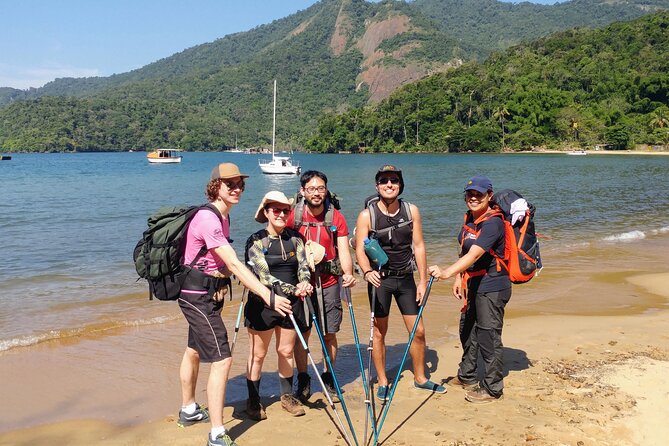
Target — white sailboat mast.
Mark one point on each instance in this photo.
(274, 120)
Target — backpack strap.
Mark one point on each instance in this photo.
(203, 250)
(404, 206)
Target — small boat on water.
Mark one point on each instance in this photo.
(164, 156)
(278, 165)
(577, 152)
(5, 157)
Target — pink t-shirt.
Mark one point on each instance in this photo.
(206, 229)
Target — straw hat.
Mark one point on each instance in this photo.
(315, 253)
(273, 196)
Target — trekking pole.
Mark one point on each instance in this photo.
(406, 352)
(239, 318)
(370, 349)
(328, 361)
(320, 380)
(356, 339)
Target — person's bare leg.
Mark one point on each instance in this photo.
(417, 349)
(379, 349)
(218, 378)
(188, 372)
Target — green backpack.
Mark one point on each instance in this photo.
(159, 254)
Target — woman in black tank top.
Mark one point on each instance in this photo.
(278, 259)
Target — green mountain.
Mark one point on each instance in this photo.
(490, 25)
(329, 58)
(576, 88)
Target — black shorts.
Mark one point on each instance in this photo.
(260, 318)
(403, 288)
(206, 332)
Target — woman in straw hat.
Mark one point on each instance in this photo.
(277, 255)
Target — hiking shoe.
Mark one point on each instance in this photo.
(480, 396)
(383, 393)
(187, 419)
(291, 405)
(430, 386)
(328, 380)
(303, 392)
(254, 410)
(221, 440)
(456, 382)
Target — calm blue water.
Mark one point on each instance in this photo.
(69, 222)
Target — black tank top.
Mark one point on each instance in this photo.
(396, 243)
(284, 270)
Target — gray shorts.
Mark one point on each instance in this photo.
(333, 308)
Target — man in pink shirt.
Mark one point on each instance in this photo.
(207, 336)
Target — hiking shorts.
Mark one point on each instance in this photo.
(403, 288)
(206, 332)
(260, 318)
(332, 306)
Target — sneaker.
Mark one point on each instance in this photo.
(292, 405)
(328, 380)
(383, 393)
(303, 392)
(430, 386)
(221, 440)
(187, 419)
(456, 382)
(480, 396)
(254, 410)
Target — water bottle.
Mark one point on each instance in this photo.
(375, 253)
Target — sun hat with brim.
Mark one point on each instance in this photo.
(479, 183)
(271, 197)
(225, 171)
(315, 253)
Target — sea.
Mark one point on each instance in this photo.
(79, 337)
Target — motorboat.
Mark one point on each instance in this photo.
(577, 152)
(278, 165)
(164, 156)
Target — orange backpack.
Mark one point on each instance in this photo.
(521, 258)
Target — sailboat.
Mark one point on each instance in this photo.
(278, 165)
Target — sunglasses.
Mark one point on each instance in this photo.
(393, 180)
(232, 185)
(474, 194)
(279, 211)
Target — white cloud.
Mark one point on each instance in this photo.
(24, 78)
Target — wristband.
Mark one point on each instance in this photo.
(365, 273)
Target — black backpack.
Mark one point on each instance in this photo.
(159, 254)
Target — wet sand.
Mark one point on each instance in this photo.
(586, 352)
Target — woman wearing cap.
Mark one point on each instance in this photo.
(277, 255)
(485, 287)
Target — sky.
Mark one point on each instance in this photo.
(41, 40)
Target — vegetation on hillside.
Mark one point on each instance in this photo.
(210, 96)
(579, 88)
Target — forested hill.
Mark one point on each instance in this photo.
(576, 88)
(489, 25)
(331, 57)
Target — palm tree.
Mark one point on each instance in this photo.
(501, 114)
(659, 119)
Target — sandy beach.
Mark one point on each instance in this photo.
(587, 363)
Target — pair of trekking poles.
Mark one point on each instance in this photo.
(366, 380)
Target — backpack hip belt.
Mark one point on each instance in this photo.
(396, 272)
(197, 280)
